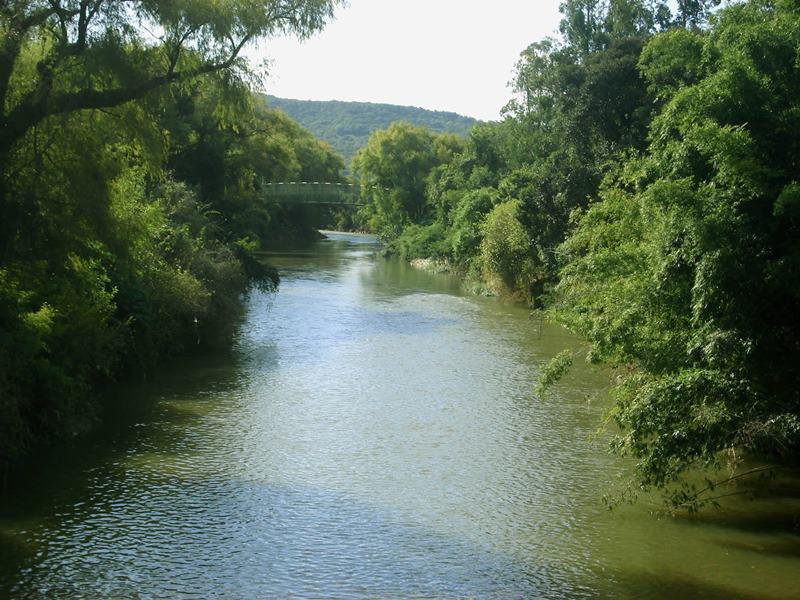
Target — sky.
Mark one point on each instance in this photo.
(453, 55)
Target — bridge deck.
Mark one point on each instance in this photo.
(314, 192)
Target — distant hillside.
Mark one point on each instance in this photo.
(347, 125)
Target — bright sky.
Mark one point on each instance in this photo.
(454, 55)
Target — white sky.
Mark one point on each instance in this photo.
(454, 55)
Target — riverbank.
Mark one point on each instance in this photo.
(488, 287)
(90, 400)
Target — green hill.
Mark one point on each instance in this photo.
(347, 125)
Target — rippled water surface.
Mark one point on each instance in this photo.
(374, 434)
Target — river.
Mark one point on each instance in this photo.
(375, 433)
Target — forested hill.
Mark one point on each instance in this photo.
(347, 125)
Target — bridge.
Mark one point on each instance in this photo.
(312, 192)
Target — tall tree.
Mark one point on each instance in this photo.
(118, 244)
(59, 56)
(582, 24)
(393, 169)
(694, 13)
(636, 18)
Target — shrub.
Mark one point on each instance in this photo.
(506, 248)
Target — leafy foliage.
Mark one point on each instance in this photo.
(686, 269)
(393, 168)
(505, 246)
(57, 57)
(553, 371)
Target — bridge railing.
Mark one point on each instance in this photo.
(313, 192)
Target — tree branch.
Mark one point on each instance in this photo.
(176, 52)
(727, 480)
(11, 44)
(29, 114)
(36, 18)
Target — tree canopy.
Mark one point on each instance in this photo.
(67, 55)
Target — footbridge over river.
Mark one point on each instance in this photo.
(313, 192)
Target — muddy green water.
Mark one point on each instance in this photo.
(374, 434)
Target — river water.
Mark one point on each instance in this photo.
(375, 433)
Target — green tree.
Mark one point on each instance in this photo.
(693, 14)
(685, 274)
(635, 18)
(393, 169)
(60, 56)
(672, 61)
(582, 25)
(227, 153)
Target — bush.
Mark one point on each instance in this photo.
(421, 241)
(506, 248)
(465, 232)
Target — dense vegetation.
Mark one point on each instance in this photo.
(129, 191)
(643, 184)
(346, 126)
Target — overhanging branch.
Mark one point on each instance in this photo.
(27, 115)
